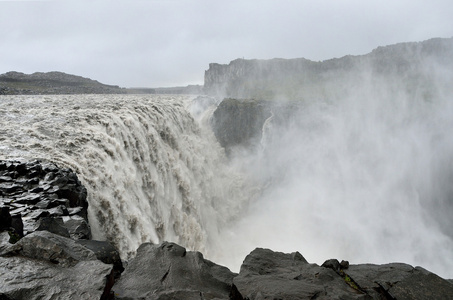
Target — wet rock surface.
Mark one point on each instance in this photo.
(39, 195)
(45, 246)
(43, 265)
(266, 274)
(168, 271)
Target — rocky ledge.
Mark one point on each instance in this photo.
(52, 83)
(46, 253)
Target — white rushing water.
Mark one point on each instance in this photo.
(361, 179)
(151, 172)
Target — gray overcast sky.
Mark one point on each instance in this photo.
(168, 43)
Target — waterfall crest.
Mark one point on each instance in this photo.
(151, 171)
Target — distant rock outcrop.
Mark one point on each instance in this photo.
(277, 89)
(414, 64)
(238, 123)
(16, 83)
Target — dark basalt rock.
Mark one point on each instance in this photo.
(12, 224)
(168, 271)
(272, 275)
(105, 252)
(399, 281)
(50, 203)
(54, 225)
(77, 227)
(38, 194)
(52, 247)
(238, 123)
(333, 264)
(266, 274)
(5, 218)
(43, 265)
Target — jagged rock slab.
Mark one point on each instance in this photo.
(36, 195)
(399, 281)
(168, 271)
(23, 278)
(43, 265)
(266, 274)
(105, 252)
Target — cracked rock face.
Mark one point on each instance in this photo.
(168, 271)
(400, 281)
(43, 265)
(36, 195)
(266, 274)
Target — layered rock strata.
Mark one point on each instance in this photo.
(415, 66)
(39, 195)
(45, 246)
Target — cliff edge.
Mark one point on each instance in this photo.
(411, 64)
(52, 83)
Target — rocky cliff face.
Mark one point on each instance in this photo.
(302, 79)
(238, 123)
(16, 83)
(281, 87)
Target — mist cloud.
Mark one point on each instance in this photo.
(362, 175)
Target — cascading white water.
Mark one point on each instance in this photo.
(151, 171)
(366, 176)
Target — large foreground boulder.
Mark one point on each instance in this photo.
(266, 274)
(43, 265)
(399, 281)
(168, 271)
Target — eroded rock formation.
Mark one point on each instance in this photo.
(414, 66)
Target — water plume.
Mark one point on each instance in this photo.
(363, 174)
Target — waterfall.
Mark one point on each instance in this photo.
(366, 176)
(151, 171)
